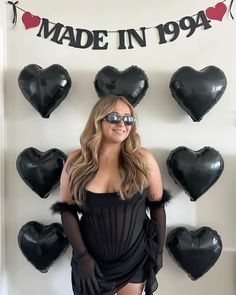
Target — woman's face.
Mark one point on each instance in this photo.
(116, 132)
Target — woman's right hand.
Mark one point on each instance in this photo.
(88, 270)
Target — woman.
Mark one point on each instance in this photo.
(111, 180)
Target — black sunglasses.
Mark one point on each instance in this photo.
(114, 118)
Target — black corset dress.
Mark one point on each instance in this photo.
(121, 238)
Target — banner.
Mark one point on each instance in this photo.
(99, 39)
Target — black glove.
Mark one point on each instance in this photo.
(87, 268)
(159, 261)
(158, 214)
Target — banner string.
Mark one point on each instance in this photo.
(15, 7)
(230, 6)
(14, 21)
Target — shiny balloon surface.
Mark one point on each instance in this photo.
(46, 88)
(42, 244)
(198, 91)
(195, 171)
(41, 171)
(131, 83)
(194, 251)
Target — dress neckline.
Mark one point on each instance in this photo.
(102, 194)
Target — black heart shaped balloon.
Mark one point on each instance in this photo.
(194, 251)
(198, 91)
(41, 171)
(46, 88)
(131, 83)
(195, 171)
(42, 244)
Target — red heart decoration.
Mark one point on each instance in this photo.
(30, 21)
(216, 12)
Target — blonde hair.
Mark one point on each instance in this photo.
(83, 166)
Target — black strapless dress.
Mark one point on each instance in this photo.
(122, 240)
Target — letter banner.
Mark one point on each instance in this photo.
(127, 38)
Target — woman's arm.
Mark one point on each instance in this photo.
(69, 218)
(86, 266)
(64, 180)
(155, 202)
(155, 189)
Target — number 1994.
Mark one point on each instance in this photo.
(186, 23)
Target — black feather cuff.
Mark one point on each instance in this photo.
(166, 197)
(60, 207)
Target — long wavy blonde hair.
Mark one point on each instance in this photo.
(83, 166)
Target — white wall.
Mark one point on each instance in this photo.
(1, 159)
(168, 126)
(2, 148)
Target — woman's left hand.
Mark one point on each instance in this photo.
(159, 262)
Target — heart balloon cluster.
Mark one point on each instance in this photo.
(41, 171)
(198, 91)
(195, 171)
(132, 83)
(42, 244)
(194, 251)
(195, 91)
(46, 88)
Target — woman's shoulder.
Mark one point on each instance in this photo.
(72, 156)
(147, 155)
(145, 152)
(74, 153)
